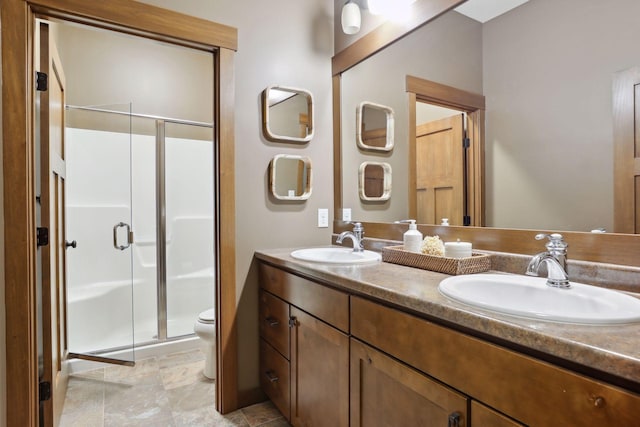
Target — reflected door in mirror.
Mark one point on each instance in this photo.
(440, 171)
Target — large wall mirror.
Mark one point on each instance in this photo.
(546, 70)
(287, 114)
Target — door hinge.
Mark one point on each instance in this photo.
(42, 235)
(466, 220)
(42, 81)
(466, 143)
(44, 391)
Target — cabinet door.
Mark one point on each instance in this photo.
(482, 416)
(319, 373)
(385, 392)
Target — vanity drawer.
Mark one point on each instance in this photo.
(325, 303)
(274, 378)
(274, 322)
(482, 416)
(531, 391)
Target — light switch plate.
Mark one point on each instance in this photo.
(323, 218)
(346, 214)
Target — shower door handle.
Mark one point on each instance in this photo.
(115, 236)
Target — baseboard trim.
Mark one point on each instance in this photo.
(250, 397)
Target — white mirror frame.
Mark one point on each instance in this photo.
(386, 193)
(273, 170)
(266, 119)
(390, 126)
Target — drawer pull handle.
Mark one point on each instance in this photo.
(271, 376)
(272, 321)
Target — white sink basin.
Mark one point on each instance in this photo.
(531, 297)
(336, 255)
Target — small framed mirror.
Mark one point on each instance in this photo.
(374, 183)
(287, 114)
(374, 127)
(290, 177)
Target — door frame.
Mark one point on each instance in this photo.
(422, 90)
(18, 115)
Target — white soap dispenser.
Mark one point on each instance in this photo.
(412, 239)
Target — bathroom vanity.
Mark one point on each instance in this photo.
(378, 344)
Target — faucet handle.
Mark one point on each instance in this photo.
(357, 226)
(556, 241)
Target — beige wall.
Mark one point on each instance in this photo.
(109, 69)
(289, 43)
(555, 61)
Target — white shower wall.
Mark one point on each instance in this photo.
(108, 288)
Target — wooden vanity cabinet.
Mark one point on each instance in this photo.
(313, 348)
(330, 359)
(528, 390)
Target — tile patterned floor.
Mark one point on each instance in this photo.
(166, 391)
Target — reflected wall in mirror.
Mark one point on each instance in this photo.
(547, 78)
(374, 181)
(374, 127)
(287, 114)
(290, 177)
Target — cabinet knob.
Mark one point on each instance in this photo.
(598, 401)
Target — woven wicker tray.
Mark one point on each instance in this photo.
(477, 263)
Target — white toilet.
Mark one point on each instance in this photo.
(205, 328)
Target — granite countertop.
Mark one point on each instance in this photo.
(608, 352)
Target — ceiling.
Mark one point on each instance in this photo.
(485, 10)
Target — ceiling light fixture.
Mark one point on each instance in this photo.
(394, 10)
(351, 18)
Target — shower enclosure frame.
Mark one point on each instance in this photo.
(161, 223)
(18, 82)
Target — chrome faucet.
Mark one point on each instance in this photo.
(355, 236)
(556, 259)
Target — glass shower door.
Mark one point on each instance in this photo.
(99, 217)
